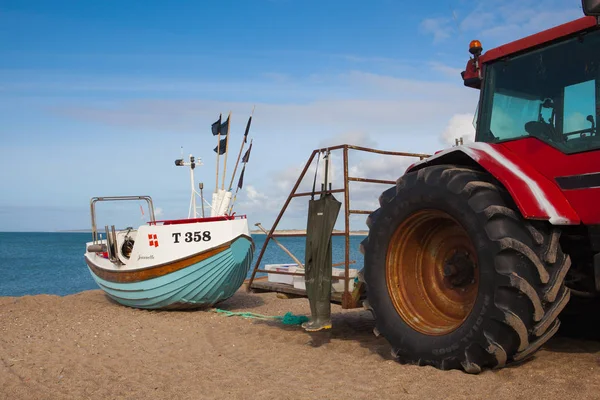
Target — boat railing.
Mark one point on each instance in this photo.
(94, 200)
(195, 220)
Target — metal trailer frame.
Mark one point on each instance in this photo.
(347, 299)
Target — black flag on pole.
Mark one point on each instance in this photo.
(247, 129)
(225, 127)
(247, 155)
(241, 181)
(215, 126)
(218, 127)
(221, 148)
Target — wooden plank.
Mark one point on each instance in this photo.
(265, 286)
(368, 180)
(302, 234)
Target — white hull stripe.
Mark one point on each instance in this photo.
(537, 193)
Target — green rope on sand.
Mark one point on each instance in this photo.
(291, 319)
(287, 319)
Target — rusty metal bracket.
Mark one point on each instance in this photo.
(348, 299)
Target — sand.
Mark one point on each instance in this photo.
(84, 346)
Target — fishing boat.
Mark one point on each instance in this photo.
(193, 262)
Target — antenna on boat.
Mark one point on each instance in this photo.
(192, 213)
(202, 197)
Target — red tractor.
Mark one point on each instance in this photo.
(476, 251)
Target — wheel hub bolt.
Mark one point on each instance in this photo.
(449, 269)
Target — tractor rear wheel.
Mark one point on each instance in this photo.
(456, 277)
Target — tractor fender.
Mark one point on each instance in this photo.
(535, 195)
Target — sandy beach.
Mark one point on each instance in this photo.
(84, 346)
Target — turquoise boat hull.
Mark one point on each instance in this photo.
(201, 284)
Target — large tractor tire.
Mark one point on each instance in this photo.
(456, 277)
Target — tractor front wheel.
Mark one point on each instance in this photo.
(455, 277)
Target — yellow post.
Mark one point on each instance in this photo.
(218, 151)
(239, 155)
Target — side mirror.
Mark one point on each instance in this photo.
(590, 119)
(591, 7)
(548, 103)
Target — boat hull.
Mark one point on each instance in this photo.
(198, 281)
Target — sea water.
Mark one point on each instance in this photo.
(52, 263)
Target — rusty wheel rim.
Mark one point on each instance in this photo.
(431, 272)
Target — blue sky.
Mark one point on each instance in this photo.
(97, 98)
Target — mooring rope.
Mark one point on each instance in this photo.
(287, 319)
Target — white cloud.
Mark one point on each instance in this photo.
(370, 83)
(510, 20)
(364, 196)
(158, 212)
(277, 77)
(286, 178)
(253, 198)
(254, 195)
(438, 27)
(381, 167)
(477, 20)
(372, 104)
(518, 21)
(446, 69)
(355, 138)
(459, 126)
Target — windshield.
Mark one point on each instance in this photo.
(552, 94)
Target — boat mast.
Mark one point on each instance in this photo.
(202, 197)
(244, 139)
(193, 200)
(192, 212)
(226, 151)
(218, 151)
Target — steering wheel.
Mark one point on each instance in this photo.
(542, 130)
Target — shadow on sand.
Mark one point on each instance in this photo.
(353, 325)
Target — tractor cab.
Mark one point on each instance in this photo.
(548, 89)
